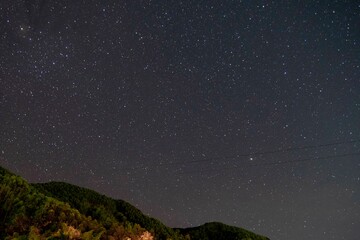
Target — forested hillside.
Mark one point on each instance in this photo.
(104, 209)
(26, 213)
(58, 210)
(220, 231)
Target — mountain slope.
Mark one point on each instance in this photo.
(105, 209)
(26, 213)
(58, 210)
(220, 231)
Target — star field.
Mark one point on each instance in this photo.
(244, 112)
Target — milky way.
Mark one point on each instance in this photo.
(244, 112)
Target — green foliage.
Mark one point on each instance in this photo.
(105, 209)
(26, 213)
(220, 231)
(61, 211)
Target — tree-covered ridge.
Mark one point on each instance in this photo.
(25, 213)
(105, 209)
(220, 231)
(58, 210)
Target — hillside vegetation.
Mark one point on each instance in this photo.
(58, 210)
(220, 231)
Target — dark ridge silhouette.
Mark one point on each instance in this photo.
(58, 210)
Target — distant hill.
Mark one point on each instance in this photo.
(220, 231)
(59, 210)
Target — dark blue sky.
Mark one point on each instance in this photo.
(244, 112)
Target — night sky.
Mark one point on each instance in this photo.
(244, 112)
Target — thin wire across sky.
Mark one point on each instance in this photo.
(236, 165)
